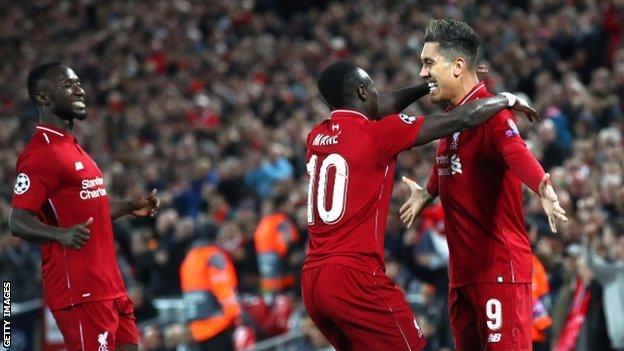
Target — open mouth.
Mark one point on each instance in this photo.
(432, 86)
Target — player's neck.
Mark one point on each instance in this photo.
(466, 84)
(51, 119)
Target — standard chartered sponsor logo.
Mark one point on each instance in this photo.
(88, 192)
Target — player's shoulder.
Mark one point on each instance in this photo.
(38, 149)
(501, 117)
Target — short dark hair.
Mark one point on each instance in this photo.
(456, 38)
(338, 84)
(36, 75)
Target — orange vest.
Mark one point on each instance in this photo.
(540, 287)
(208, 282)
(273, 237)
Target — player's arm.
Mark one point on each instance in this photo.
(140, 207)
(525, 166)
(468, 116)
(23, 224)
(419, 200)
(397, 101)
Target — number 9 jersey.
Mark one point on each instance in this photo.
(350, 164)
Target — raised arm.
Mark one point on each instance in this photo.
(468, 116)
(399, 100)
(140, 207)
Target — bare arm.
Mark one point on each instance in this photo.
(26, 226)
(119, 208)
(399, 100)
(465, 117)
(140, 207)
(419, 200)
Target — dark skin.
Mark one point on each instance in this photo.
(60, 101)
(399, 100)
(435, 126)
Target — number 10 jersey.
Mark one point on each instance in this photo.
(350, 164)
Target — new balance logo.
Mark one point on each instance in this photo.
(322, 140)
(495, 337)
(456, 166)
(335, 127)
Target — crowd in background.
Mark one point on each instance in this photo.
(210, 103)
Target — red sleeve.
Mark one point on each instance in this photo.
(509, 144)
(395, 133)
(37, 179)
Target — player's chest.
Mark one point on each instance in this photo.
(80, 174)
(460, 155)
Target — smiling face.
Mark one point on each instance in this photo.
(62, 91)
(439, 73)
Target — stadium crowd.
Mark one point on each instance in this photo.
(210, 103)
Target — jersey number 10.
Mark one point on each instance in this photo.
(339, 195)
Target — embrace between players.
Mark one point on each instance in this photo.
(481, 163)
(60, 201)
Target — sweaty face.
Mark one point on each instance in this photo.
(66, 95)
(437, 70)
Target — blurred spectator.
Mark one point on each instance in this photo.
(211, 305)
(19, 264)
(274, 238)
(609, 272)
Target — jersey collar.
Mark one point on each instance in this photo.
(476, 91)
(336, 113)
(51, 130)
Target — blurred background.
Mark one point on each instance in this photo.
(210, 103)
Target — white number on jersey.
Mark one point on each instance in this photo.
(339, 195)
(494, 312)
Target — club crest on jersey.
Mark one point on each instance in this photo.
(22, 183)
(513, 129)
(407, 119)
(454, 142)
(335, 127)
(103, 342)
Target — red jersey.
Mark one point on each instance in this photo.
(350, 163)
(59, 182)
(478, 174)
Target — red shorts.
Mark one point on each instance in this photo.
(99, 326)
(491, 316)
(356, 310)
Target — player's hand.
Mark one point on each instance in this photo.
(146, 206)
(482, 71)
(550, 203)
(77, 236)
(417, 201)
(521, 105)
